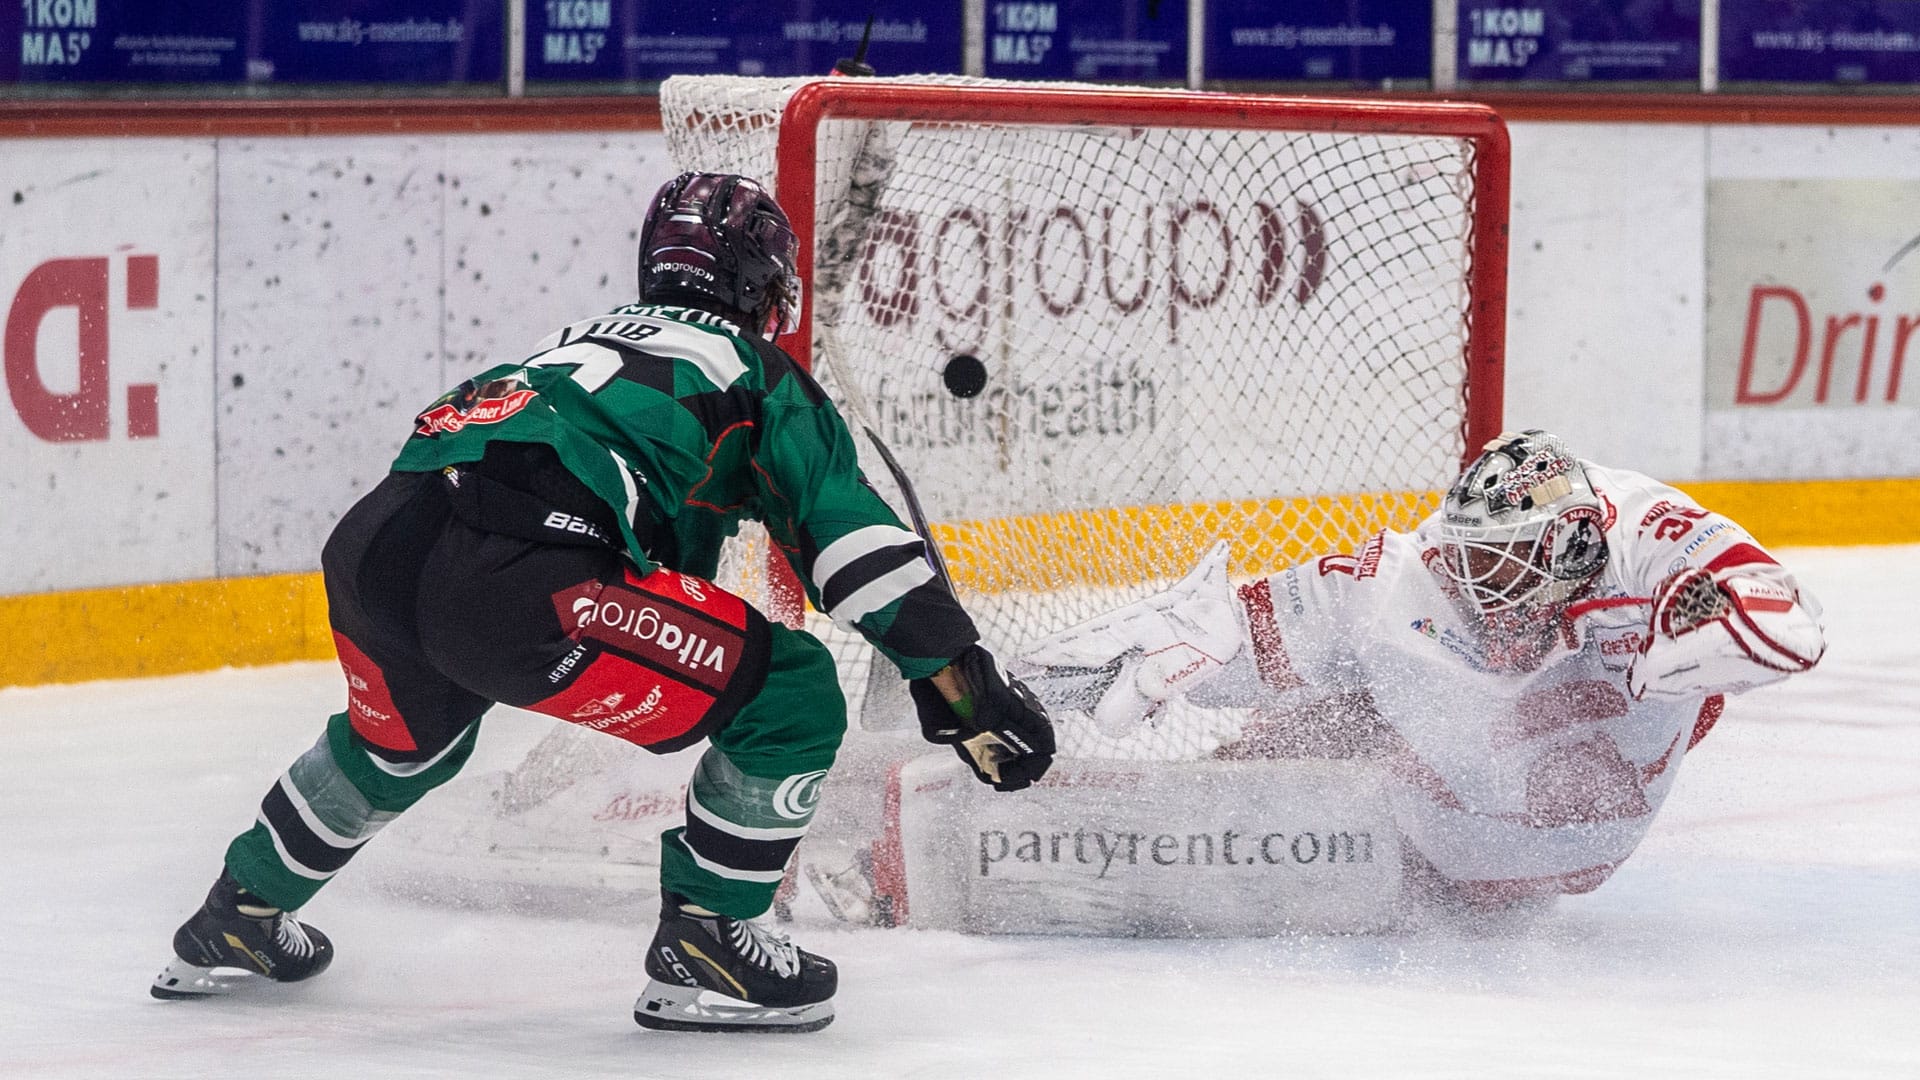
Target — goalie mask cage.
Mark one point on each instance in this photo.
(1273, 320)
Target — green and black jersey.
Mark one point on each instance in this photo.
(684, 426)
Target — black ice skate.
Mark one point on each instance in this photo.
(235, 940)
(713, 973)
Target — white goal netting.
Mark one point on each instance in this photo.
(1190, 328)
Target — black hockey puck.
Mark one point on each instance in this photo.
(965, 375)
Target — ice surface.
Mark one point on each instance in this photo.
(1769, 927)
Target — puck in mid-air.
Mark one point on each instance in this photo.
(965, 375)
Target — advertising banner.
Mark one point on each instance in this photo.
(106, 424)
(1088, 40)
(1151, 849)
(122, 41)
(215, 41)
(1844, 41)
(649, 40)
(1580, 41)
(389, 41)
(1370, 41)
(1813, 301)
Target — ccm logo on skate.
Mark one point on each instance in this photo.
(679, 969)
(83, 285)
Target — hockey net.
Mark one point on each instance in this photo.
(1276, 321)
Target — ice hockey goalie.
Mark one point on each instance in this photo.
(1527, 669)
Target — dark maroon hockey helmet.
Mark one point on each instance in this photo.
(720, 239)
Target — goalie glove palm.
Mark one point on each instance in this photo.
(1122, 666)
(1725, 631)
(998, 727)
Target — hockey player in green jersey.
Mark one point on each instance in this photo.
(546, 539)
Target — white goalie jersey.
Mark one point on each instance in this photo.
(1509, 776)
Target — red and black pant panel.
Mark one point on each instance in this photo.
(575, 633)
(398, 703)
(435, 620)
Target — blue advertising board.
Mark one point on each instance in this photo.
(1580, 41)
(1365, 41)
(1820, 41)
(221, 41)
(389, 41)
(1093, 40)
(122, 41)
(649, 40)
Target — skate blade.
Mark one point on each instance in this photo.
(665, 1007)
(181, 981)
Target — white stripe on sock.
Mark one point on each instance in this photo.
(287, 859)
(764, 877)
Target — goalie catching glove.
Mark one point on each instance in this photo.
(1120, 668)
(992, 721)
(1723, 631)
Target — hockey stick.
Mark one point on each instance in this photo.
(915, 514)
(986, 748)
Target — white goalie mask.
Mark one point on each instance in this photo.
(1522, 531)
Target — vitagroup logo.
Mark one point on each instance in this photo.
(84, 287)
(1425, 626)
(642, 623)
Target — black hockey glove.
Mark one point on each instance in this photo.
(992, 721)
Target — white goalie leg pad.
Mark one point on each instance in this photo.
(1725, 632)
(1152, 849)
(1120, 667)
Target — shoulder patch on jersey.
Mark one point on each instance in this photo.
(491, 402)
